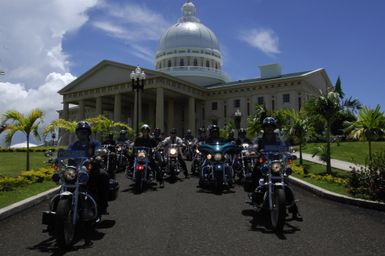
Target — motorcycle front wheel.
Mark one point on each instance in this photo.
(278, 210)
(64, 227)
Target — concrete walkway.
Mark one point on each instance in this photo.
(342, 165)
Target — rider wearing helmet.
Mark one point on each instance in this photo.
(158, 135)
(230, 136)
(122, 139)
(214, 135)
(147, 141)
(242, 137)
(189, 136)
(272, 138)
(99, 179)
(173, 139)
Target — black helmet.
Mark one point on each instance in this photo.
(83, 125)
(157, 131)
(173, 131)
(123, 132)
(201, 130)
(214, 129)
(188, 131)
(269, 121)
(242, 132)
(145, 127)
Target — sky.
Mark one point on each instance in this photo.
(46, 44)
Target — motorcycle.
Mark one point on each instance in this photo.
(73, 205)
(109, 159)
(173, 167)
(188, 150)
(142, 174)
(196, 161)
(273, 193)
(121, 157)
(247, 162)
(216, 168)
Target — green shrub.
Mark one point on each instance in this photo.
(369, 182)
(27, 177)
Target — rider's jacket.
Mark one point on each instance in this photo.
(145, 142)
(166, 143)
(90, 147)
(122, 141)
(188, 138)
(240, 141)
(275, 140)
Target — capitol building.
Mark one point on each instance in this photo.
(187, 88)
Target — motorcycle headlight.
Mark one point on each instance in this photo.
(218, 157)
(276, 167)
(70, 174)
(173, 151)
(247, 153)
(209, 156)
(83, 176)
(197, 151)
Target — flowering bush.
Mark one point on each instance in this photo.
(369, 182)
(26, 178)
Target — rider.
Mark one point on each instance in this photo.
(99, 179)
(242, 137)
(189, 136)
(173, 139)
(122, 139)
(158, 135)
(214, 135)
(147, 141)
(272, 138)
(109, 140)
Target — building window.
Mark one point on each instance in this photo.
(195, 62)
(181, 63)
(237, 103)
(286, 98)
(299, 103)
(169, 63)
(214, 105)
(207, 63)
(261, 101)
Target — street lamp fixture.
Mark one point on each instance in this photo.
(137, 78)
(237, 119)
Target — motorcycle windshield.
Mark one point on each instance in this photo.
(73, 157)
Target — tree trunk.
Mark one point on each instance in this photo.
(27, 152)
(328, 153)
(370, 150)
(300, 154)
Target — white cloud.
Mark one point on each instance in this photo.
(134, 24)
(31, 34)
(264, 39)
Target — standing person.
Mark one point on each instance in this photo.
(99, 179)
(147, 141)
(173, 139)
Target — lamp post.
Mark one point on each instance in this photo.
(53, 136)
(137, 79)
(237, 120)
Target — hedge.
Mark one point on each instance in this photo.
(26, 178)
(34, 149)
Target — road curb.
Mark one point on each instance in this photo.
(380, 206)
(26, 203)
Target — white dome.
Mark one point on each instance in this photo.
(190, 50)
(188, 34)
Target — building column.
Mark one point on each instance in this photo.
(81, 110)
(66, 110)
(98, 109)
(170, 117)
(118, 107)
(159, 108)
(191, 115)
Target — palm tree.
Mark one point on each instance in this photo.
(102, 124)
(370, 125)
(299, 129)
(60, 123)
(254, 122)
(26, 124)
(326, 106)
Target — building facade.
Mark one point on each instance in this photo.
(187, 89)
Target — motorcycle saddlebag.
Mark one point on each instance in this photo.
(48, 218)
(113, 188)
(249, 184)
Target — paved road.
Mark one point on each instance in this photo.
(182, 220)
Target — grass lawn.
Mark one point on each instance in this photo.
(354, 152)
(12, 163)
(10, 197)
(320, 170)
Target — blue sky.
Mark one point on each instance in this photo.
(44, 45)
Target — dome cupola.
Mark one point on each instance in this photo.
(189, 50)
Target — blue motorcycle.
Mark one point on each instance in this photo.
(216, 169)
